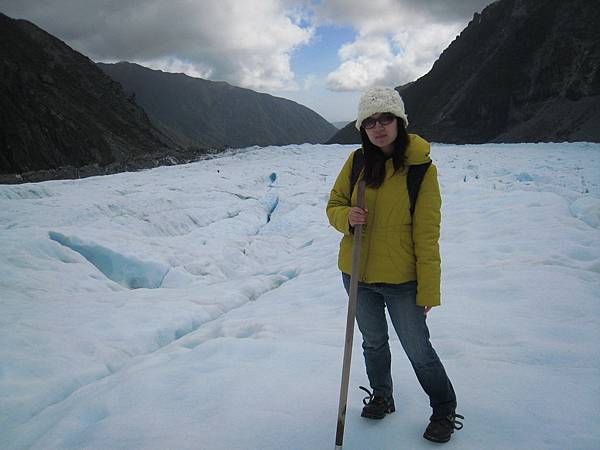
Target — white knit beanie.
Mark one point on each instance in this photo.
(380, 99)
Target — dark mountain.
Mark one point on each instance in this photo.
(340, 125)
(217, 114)
(61, 116)
(522, 71)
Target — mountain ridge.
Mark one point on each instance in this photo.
(521, 71)
(62, 116)
(210, 113)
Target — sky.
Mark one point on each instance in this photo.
(319, 53)
(200, 306)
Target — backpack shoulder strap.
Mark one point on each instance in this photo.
(415, 176)
(358, 161)
(414, 179)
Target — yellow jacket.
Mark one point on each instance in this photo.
(395, 248)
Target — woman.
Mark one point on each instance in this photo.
(400, 258)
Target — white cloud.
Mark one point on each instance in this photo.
(397, 42)
(389, 59)
(309, 82)
(368, 60)
(248, 43)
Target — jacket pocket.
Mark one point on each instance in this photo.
(345, 254)
(401, 248)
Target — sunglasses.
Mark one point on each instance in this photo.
(384, 119)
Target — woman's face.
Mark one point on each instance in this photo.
(383, 136)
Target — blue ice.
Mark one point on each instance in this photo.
(125, 270)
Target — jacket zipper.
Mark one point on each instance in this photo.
(363, 275)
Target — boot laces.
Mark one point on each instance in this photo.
(453, 421)
(369, 398)
(457, 424)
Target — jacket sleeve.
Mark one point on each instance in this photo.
(338, 206)
(426, 235)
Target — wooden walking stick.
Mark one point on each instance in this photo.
(339, 436)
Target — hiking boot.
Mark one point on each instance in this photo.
(377, 407)
(440, 429)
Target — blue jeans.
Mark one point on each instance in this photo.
(408, 320)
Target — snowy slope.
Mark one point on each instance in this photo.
(200, 306)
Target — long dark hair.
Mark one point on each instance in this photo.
(375, 159)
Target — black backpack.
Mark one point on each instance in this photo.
(413, 179)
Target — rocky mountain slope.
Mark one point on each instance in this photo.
(521, 71)
(216, 114)
(61, 116)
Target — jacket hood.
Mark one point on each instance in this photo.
(417, 151)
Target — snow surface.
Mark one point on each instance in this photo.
(200, 306)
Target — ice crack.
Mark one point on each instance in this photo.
(128, 271)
